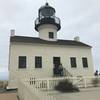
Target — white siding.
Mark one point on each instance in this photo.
(47, 52)
(44, 31)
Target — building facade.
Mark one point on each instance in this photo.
(43, 57)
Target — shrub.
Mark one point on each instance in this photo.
(66, 86)
(95, 82)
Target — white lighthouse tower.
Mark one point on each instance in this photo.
(47, 24)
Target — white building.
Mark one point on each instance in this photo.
(40, 57)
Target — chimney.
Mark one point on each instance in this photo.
(12, 31)
(77, 38)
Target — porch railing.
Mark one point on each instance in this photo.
(30, 92)
(50, 83)
(32, 88)
(61, 72)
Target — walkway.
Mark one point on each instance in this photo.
(85, 94)
(8, 96)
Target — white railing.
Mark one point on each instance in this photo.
(32, 89)
(50, 83)
(30, 92)
(85, 82)
(44, 83)
(67, 73)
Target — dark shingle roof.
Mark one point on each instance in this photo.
(40, 41)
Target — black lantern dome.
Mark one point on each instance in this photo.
(46, 11)
(46, 15)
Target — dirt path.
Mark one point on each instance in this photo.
(8, 96)
(85, 94)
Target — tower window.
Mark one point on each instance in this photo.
(38, 62)
(51, 35)
(73, 62)
(22, 62)
(85, 62)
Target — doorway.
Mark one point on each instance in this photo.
(56, 61)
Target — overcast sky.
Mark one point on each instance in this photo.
(78, 18)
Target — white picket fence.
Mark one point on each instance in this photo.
(50, 83)
(32, 88)
(30, 92)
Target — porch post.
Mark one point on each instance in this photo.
(48, 85)
(85, 85)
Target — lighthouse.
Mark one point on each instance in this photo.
(47, 24)
(46, 56)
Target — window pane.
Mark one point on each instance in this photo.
(22, 61)
(73, 62)
(85, 62)
(51, 35)
(38, 62)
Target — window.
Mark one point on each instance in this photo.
(73, 62)
(22, 62)
(51, 35)
(85, 62)
(38, 62)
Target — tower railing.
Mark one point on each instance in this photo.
(55, 19)
(47, 20)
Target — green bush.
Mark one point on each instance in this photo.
(95, 82)
(66, 86)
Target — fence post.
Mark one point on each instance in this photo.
(48, 85)
(85, 83)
